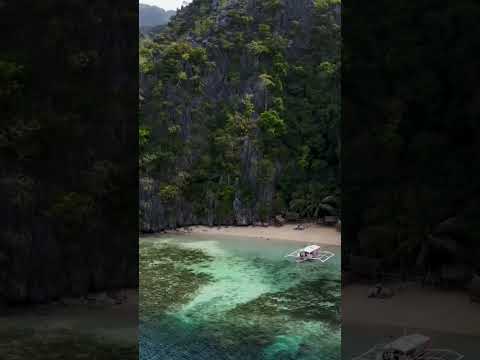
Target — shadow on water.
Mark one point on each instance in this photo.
(223, 301)
(72, 329)
(16, 344)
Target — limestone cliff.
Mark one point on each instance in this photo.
(240, 112)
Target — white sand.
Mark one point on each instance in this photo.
(414, 308)
(312, 233)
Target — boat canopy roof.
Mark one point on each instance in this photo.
(408, 342)
(310, 248)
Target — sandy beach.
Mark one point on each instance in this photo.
(413, 308)
(313, 233)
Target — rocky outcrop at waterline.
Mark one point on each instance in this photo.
(41, 265)
(156, 216)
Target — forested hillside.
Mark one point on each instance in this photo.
(150, 17)
(240, 109)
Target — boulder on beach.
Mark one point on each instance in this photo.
(279, 220)
(380, 292)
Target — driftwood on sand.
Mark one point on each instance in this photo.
(380, 292)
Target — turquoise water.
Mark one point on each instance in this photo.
(239, 299)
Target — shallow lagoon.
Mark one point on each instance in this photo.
(239, 299)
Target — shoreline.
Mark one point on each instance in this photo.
(101, 320)
(313, 233)
(412, 308)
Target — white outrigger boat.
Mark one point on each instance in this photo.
(311, 252)
(409, 347)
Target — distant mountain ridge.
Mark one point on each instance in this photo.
(151, 16)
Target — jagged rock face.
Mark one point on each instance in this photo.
(40, 265)
(216, 102)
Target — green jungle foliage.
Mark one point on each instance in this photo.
(67, 149)
(239, 106)
(410, 137)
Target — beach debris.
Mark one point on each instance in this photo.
(380, 292)
(279, 220)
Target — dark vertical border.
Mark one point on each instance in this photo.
(68, 154)
(410, 175)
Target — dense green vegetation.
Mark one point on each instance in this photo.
(410, 136)
(240, 112)
(67, 149)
